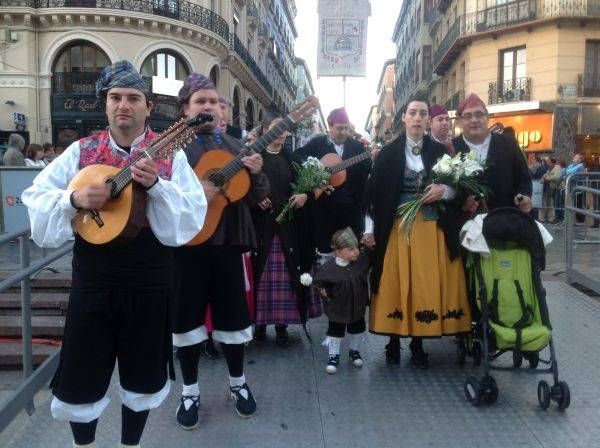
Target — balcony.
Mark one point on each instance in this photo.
(252, 13)
(454, 101)
(588, 84)
(182, 10)
(512, 14)
(510, 91)
(238, 47)
(505, 15)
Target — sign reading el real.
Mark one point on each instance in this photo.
(533, 131)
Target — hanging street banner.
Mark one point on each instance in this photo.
(342, 49)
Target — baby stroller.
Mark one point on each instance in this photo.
(507, 255)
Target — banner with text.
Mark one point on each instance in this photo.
(342, 49)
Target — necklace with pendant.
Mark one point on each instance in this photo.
(416, 150)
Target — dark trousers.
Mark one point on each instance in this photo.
(338, 330)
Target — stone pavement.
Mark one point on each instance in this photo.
(299, 405)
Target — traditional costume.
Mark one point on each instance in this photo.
(345, 284)
(281, 256)
(342, 208)
(507, 174)
(120, 292)
(418, 281)
(212, 273)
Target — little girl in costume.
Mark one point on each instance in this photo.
(343, 285)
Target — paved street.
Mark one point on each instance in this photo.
(299, 405)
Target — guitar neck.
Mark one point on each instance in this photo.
(225, 174)
(349, 162)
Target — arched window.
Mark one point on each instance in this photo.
(235, 109)
(165, 64)
(76, 68)
(249, 115)
(214, 75)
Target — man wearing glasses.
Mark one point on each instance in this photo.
(506, 174)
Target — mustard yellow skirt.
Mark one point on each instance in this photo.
(421, 292)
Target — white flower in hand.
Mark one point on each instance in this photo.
(306, 279)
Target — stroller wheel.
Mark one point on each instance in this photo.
(477, 353)
(543, 393)
(534, 360)
(461, 352)
(490, 389)
(564, 395)
(517, 359)
(473, 391)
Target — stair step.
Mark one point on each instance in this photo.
(39, 300)
(47, 280)
(11, 354)
(42, 326)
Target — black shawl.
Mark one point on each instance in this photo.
(382, 197)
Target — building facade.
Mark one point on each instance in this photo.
(314, 125)
(52, 51)
(386, 106)
(412, 67)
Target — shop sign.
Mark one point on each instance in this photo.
(533, 131)
(76, 104)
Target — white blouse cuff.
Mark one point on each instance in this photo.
(156, 189)
(65, 204)
(368, 224)
(449, 193)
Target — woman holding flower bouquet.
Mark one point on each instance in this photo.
(279, 260)
(418, 281)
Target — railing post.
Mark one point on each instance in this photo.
(26, 316)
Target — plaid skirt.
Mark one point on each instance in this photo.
(276, 299)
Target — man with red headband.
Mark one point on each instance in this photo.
(506, 174)
(440, 126)
(342, 208)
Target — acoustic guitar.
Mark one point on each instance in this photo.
(124, 214)
(227, 171)
(337, 167)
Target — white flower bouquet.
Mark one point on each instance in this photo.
(460, 172)
(312, 174)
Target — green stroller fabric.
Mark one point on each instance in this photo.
(514, 311)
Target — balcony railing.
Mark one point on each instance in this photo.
(510, 14)
(238, 47)
(506, 15)
(81, 83)
(175, 9)
(588, 84)
(518, 89)
(454, 101)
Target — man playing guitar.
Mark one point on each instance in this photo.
(120, 293)
(342, 208)
(212, 272)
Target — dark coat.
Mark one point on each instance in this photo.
(382, 197)
(296, 248)
(347, 291)
(236, 227)
(356, 175)
(507, 174)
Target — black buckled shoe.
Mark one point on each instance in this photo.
(282, 338)
(245, 405)
(392, 351)
(188, 418)
(260, 333)
(209, 349)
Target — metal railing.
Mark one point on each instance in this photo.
(510, 14)
(509, 91)
(238, 47)
(588, 84)
(175, 9)
(578, 187)
(33, 381)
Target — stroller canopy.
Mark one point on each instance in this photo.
(510, 225)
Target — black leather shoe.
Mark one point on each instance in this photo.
(282, 338)
(392, 351)
(260, 332)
